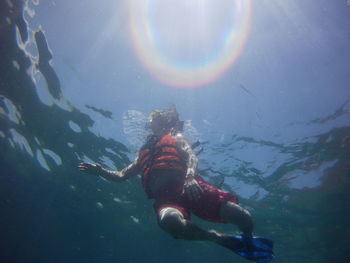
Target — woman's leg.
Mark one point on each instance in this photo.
(171, 220)
(237, 215)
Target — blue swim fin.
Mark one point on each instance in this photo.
(256, 249)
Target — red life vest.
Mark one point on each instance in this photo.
(163, 155)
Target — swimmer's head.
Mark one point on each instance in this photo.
(165, 121)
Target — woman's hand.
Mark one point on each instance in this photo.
(90, 168)
(192, 189)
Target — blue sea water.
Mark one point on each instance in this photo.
(274, 128)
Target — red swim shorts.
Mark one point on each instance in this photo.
(207, 207)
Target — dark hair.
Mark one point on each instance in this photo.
(169, 118)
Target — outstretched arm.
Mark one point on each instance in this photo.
(116, 176)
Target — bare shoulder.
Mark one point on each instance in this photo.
(182, 141)
(179, 136)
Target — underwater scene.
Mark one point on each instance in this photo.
(262, 88)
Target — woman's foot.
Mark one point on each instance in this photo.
(226, 240)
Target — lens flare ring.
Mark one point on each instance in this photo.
(146, 34)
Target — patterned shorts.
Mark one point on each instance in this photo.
(207, 207)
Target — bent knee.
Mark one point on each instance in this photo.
(172, 221)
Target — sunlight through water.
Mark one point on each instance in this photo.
(188, 43)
